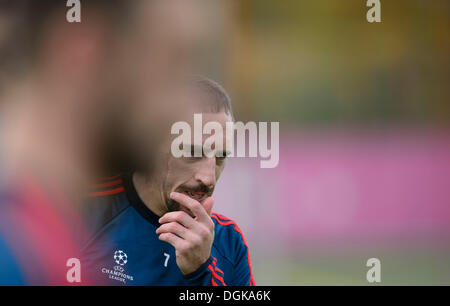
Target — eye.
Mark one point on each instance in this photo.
(190, 152)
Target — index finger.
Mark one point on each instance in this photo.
(194, 206)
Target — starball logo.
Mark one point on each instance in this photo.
(118, 272)
(220, 140)
(120, 257)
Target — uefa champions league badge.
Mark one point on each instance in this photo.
(117, 272)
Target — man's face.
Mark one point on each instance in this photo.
(196, 176)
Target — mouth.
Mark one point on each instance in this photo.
(198, 196)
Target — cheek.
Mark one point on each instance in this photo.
(184, 171)
(179, 173)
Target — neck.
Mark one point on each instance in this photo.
(149, 193)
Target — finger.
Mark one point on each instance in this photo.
(172, 239)
(178, 216)
(208, 205)
(174, 228)
(194, 206)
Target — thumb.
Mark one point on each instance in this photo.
(208, 205)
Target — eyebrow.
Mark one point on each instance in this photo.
(223, 153)
(191, 149)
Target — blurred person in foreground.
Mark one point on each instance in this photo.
(72, 110)
(157, 228)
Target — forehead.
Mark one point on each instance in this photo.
(221, 117)
(197, 126)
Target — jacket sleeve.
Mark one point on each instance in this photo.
(242, 272)
(210, 274)
(207, 274)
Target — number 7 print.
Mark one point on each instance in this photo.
(167, 259)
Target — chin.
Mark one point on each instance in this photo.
(172, 205)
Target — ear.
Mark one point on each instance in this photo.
(208, 205)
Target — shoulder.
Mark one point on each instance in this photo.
(105, 201)
(107, 194)
(225, 224)
(107, 186)
(228, 236)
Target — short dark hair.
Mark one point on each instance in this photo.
(220, 99)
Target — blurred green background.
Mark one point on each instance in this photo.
(321, 63)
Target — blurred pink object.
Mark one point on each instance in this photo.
(344, 185)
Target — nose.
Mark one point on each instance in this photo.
(206, 172)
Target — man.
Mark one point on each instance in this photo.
(72, 99)
(158, 228)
